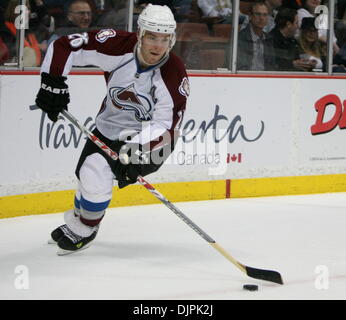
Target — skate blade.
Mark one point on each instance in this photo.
(51, 241)
(63, 252)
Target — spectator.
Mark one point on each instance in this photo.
(79, 14)
(286, 46)
(6, 35)
(4, 53)
(309, 10)
(340, 58)
(183, 9)
(273, 6)
(40, 22)
(79, 19)
(340, 31)
(341, 10)
(40, 18)
(311, 48)
(32, 48)
(213, 8)
(221, 9)
(339, 26)
(255, 47)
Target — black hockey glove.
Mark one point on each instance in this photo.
(53, 95)
(129, 165)
(128, 174)
(136, 160)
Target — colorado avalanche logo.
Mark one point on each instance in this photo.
(104, 34)
(184, 87)
(128, 99)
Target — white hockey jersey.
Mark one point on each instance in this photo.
(154, 99)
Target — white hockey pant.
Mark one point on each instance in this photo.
(93, 195)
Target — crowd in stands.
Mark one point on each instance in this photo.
(274, 35)
(48, 20)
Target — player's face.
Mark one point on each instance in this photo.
(154, 46)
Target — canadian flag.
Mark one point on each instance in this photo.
(234, 157)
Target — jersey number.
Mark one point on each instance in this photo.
(78, 39)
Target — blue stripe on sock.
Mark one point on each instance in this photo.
(94, 206)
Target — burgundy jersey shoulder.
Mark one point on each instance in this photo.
(112, 42)
(174, 75)
(105, 41)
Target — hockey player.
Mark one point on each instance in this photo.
(146, 84)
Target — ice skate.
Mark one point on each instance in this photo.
(70, 242)
(57, 233)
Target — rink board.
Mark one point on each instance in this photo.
(241, 136)
(58, 201)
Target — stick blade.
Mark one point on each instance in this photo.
(267, 275)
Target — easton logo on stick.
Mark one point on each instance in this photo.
(107, 150)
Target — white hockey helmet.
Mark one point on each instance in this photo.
(156, 18)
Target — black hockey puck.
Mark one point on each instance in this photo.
(250, 287)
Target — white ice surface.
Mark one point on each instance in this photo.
(147, 252)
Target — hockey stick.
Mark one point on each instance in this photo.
(268, 275)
